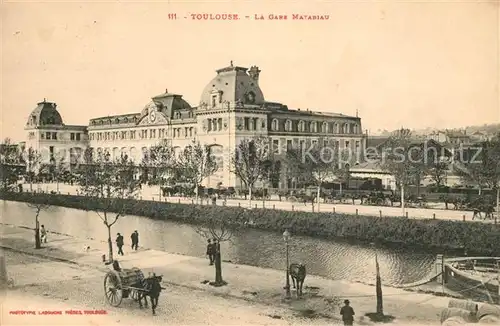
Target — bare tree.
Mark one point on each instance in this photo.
(9, 165)
(161, 157)
(319, 163)
(112, 182)
(404, 160)
(250, 161)
(220, 229)
(33, 160)
(196, 163)
(40, 204)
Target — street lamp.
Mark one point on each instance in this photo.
(286, 237)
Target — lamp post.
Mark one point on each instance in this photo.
(286, 237)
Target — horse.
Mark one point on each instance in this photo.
(151, 288)
(298, 274)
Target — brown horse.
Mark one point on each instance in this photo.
(298, 275)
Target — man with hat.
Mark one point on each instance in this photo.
(347, 313)
(135, 239)
(119, 243)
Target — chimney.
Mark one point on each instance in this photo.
(254, 73)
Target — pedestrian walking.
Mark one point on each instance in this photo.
(43, 233)
(210, 252)
(119, 243)
(347, 313)
(135, 240)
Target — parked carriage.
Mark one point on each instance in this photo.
(125, 283)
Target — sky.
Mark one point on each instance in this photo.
(398, 63)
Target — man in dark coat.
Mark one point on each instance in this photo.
(119, 243)
(135, 239)
(347, 313)
(210, 252)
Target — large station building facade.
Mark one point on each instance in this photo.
(232, 107)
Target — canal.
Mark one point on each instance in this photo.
(328, 258)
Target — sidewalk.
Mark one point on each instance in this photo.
(245, 282)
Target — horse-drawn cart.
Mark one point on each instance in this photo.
(122, 284)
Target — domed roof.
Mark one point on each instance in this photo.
(234, 85)
(45, 114)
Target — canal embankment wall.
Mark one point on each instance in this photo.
(434, 234)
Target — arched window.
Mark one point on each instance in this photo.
(288, 125)
(324, 127)
(313, 126)
(274, 125)
(301, 126)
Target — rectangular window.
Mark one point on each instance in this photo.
(276, 146)
(289, 145)
(54, 135)
(77, 136)
(325, 143)
(47, 135)
(247, 123)
(214, 101)
(124, 134)
(72, 136)
(219, 123)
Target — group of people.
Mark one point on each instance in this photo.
(212, 250)
(120, 242)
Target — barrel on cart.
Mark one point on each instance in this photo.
(126, 283)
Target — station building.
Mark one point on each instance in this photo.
(232, 107)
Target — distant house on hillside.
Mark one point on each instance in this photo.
(452, 137)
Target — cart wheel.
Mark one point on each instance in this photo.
(113, 288)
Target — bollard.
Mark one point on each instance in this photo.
(406, 214)
(192, 202)
(312, 208)
(463, 217)
(255, 205)
(380, 213)
(434, 216)
(292, 208)
(333, 209)
(274, 206)
(239, 204)
(356, 212)
(178, 200)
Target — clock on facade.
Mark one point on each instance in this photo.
(152, 115)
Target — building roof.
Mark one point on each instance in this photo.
(235, 85)
(44, 114)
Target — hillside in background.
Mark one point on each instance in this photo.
(489, 129)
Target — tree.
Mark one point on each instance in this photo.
(9, 165)
(250, 161)
(40, 204)
(219, 228)
(161, 157)
(437, 172)
(404, 160)
(32, 159)
(318, 164)
(196, 163)
(112, 182)
(378, 283)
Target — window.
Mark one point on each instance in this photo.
(54, 135)
(132, 134)
(219, 124)
(274, 125)
(347, 144)
(301, 126)
(276, 146)
(357, 145)
(313, 127)
(324, 127)
(288, 125)
(325, 143)
(77, 136)
(47, 135)
(289, 145)
(247, 123)
(214, 101)
(72, 136)
(124, 134)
